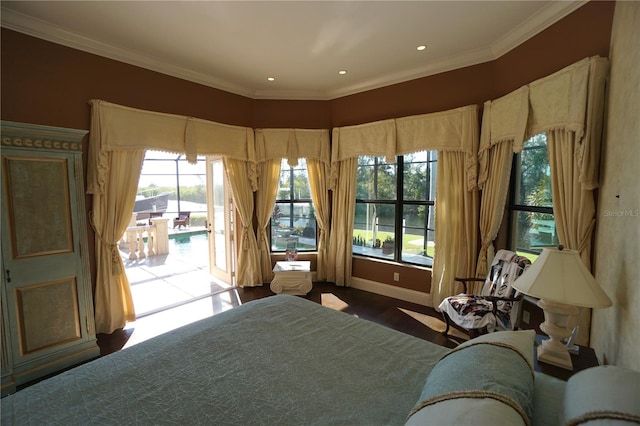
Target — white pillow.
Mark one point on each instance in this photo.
(605, 395)
(466, 411)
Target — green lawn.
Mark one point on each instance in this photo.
(406, 246)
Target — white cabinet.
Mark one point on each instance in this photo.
(47, 302)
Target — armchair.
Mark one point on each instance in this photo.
(498, 305)
(182, 219)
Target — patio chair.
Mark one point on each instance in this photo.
(182, 220)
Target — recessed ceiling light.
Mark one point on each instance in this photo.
(421, 47)
(271, 78)
(342, 72)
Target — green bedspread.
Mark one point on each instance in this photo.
(276, 361)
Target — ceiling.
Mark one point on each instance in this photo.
(237, 45)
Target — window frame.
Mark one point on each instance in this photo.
(516, 207)
(178, 163)
(399, 204)
(292, 201)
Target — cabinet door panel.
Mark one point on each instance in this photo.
(47, 314)
(39, 211)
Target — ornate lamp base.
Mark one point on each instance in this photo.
(556, 320)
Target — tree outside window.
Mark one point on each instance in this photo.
(532, 221)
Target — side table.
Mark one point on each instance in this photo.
(292, 278)
(585, 358)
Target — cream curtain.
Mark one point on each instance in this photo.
(494, 197)
(504, 123)
(574, 158)
(110, 217)
(268, 178)
(339, 265)
(456, 226)
(292, 144)
(378, 139)
(272, 145)
(454, 134)
(568, 106)
(318, 179)
(113, 181)
(573, 205)
(119, 137)
(124, 129)
(248, 267)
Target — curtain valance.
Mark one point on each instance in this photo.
(454, 130)
(211, 138)
(566, 100)
(576, 95)
(559, 100)
(503, 120)
(120, 128)
(377, 138)
(292, 144)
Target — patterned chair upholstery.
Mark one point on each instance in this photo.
(497, 307)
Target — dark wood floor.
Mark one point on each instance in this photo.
(365, 305)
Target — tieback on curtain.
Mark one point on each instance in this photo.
(245, 237)
(483, 258)
(265, 239)
(116, 269)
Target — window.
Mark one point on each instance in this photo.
(395, 203)
(293, 221)
(532, 222)
(168, 184)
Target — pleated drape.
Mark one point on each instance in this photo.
(268, 178)
(248, 266)
(494, 198)
(344, 203)
(456, 226)
(110, 216)
(318, 180)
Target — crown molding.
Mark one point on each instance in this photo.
(44, 30)
(535, 24)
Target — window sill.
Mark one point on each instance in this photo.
(393, 262)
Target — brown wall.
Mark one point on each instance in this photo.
(45, 83)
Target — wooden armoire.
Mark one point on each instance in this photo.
(46, 296)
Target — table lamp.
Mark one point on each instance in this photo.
(562, 282)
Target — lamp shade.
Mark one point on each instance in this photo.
(559, 275)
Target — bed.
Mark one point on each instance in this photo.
(281, 360)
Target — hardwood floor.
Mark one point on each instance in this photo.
(416, 320)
